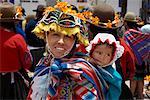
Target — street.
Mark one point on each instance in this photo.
(145, 84)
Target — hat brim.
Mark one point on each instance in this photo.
(35, 10)
(102, 25)
(9, 20)
(128, 20)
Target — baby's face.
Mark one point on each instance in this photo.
(102, 54)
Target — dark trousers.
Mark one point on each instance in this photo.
(126, 93)
(13, 89)
(37, 54)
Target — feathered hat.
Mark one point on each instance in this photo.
(103, 16)
(61, 18)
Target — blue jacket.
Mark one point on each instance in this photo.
(114, 80)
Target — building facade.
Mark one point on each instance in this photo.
(139, 7)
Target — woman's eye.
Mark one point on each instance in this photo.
(108, 54)
(55, 35)
(68, 37)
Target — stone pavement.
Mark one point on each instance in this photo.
(146, 96)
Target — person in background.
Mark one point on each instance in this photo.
(140, 22)
(15, 58)
(26, 20)
(104, 50)
(36, 45)
(110, 23)
(60, 74)
(19, 26)
(146, 29)
(132, 36)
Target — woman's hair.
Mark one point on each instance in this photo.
(132, 25)
(8, 25)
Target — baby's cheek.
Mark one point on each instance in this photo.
(95, 56)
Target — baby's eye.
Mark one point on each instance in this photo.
(108, 55)
(98, 52)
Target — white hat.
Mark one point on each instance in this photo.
(145, 28)
(109, 38)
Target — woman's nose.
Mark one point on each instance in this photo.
(61, 40)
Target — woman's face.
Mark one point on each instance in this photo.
(102, 54)
(60, 44)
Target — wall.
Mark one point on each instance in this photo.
(113, 3)
(29, 6)
(132, 5)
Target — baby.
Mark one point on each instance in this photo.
(103, 51)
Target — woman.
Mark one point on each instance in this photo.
(132, 36)
(14, 57)
(59, 74)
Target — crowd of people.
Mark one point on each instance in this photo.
(64, 53)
